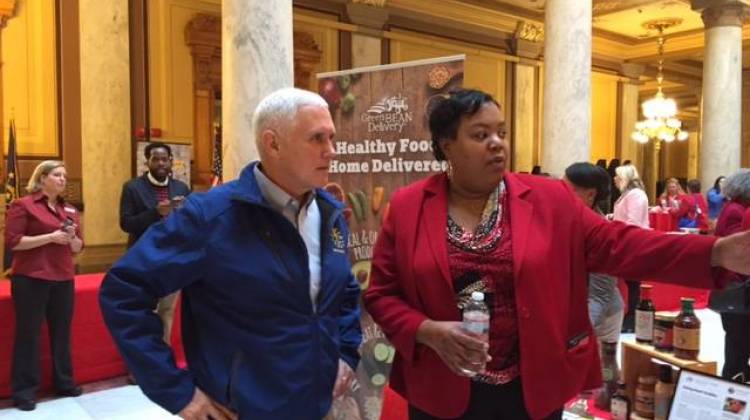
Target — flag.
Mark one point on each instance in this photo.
(12, 185)
(216, 166)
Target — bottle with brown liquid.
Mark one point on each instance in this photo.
(644, 316)
(620, 407)
(644, 396)
(687, 332)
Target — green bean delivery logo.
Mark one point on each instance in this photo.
(390, 114)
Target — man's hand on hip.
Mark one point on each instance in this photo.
(204, 408)
(343, 379)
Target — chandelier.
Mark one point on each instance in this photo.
(660, 112)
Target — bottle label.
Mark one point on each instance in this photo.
(608, 374)
(644, 402)
(619, 409)
(687, 338)
(644, 325)
(662, 337)
(477, 322)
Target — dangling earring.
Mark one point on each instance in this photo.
(449, 169)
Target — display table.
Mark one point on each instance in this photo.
(94, 354)
(661, 221)
(636, 359)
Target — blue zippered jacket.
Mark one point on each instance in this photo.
(253, 340)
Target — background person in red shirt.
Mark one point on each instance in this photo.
(693, 210)
(44, 233)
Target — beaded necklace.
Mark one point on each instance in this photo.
(487, 233)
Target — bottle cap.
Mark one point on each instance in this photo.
(477, 296)
(687, 299)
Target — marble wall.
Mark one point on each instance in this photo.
(257, 59)
(105, 116)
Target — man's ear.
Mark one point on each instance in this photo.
(270, 141)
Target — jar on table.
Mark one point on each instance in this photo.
(644, 396)
(663, 330)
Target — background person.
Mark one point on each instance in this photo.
(716, 199)
(736, 325)
(148, 199)
(44, 233)
(591, 185)
(693, 211)
(669, 200)
(630, 208)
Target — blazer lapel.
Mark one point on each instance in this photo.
(521, 213)
(434, 219)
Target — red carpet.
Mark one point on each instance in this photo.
(95, 356)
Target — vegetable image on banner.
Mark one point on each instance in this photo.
(382, 143)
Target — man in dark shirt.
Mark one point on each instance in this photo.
(148, 199)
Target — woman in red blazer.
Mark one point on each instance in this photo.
(693, 208)
(528, 243)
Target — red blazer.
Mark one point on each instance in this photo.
(689, 203)
(746, 220)
(556, 241)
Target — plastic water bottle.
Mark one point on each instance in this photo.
(476, 320)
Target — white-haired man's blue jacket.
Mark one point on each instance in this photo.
(253, 340)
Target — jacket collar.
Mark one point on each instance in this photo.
(39, 195)
(247, 190)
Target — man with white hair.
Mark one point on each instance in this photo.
(270, 317)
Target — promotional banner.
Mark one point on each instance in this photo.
(382, 143)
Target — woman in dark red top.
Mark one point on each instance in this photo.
(44, 234)
(528, 243)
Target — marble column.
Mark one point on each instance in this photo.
(257, 59)
(722, 89)
(567, 84)
(105, 116)
(629, 113)
(524, 127)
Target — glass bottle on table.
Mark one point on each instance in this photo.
(687, 332)
(644, 316)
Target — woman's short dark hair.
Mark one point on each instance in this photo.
(586, 175)
(716, 186)
(694, 186)
(446, 113)
(156, 145)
